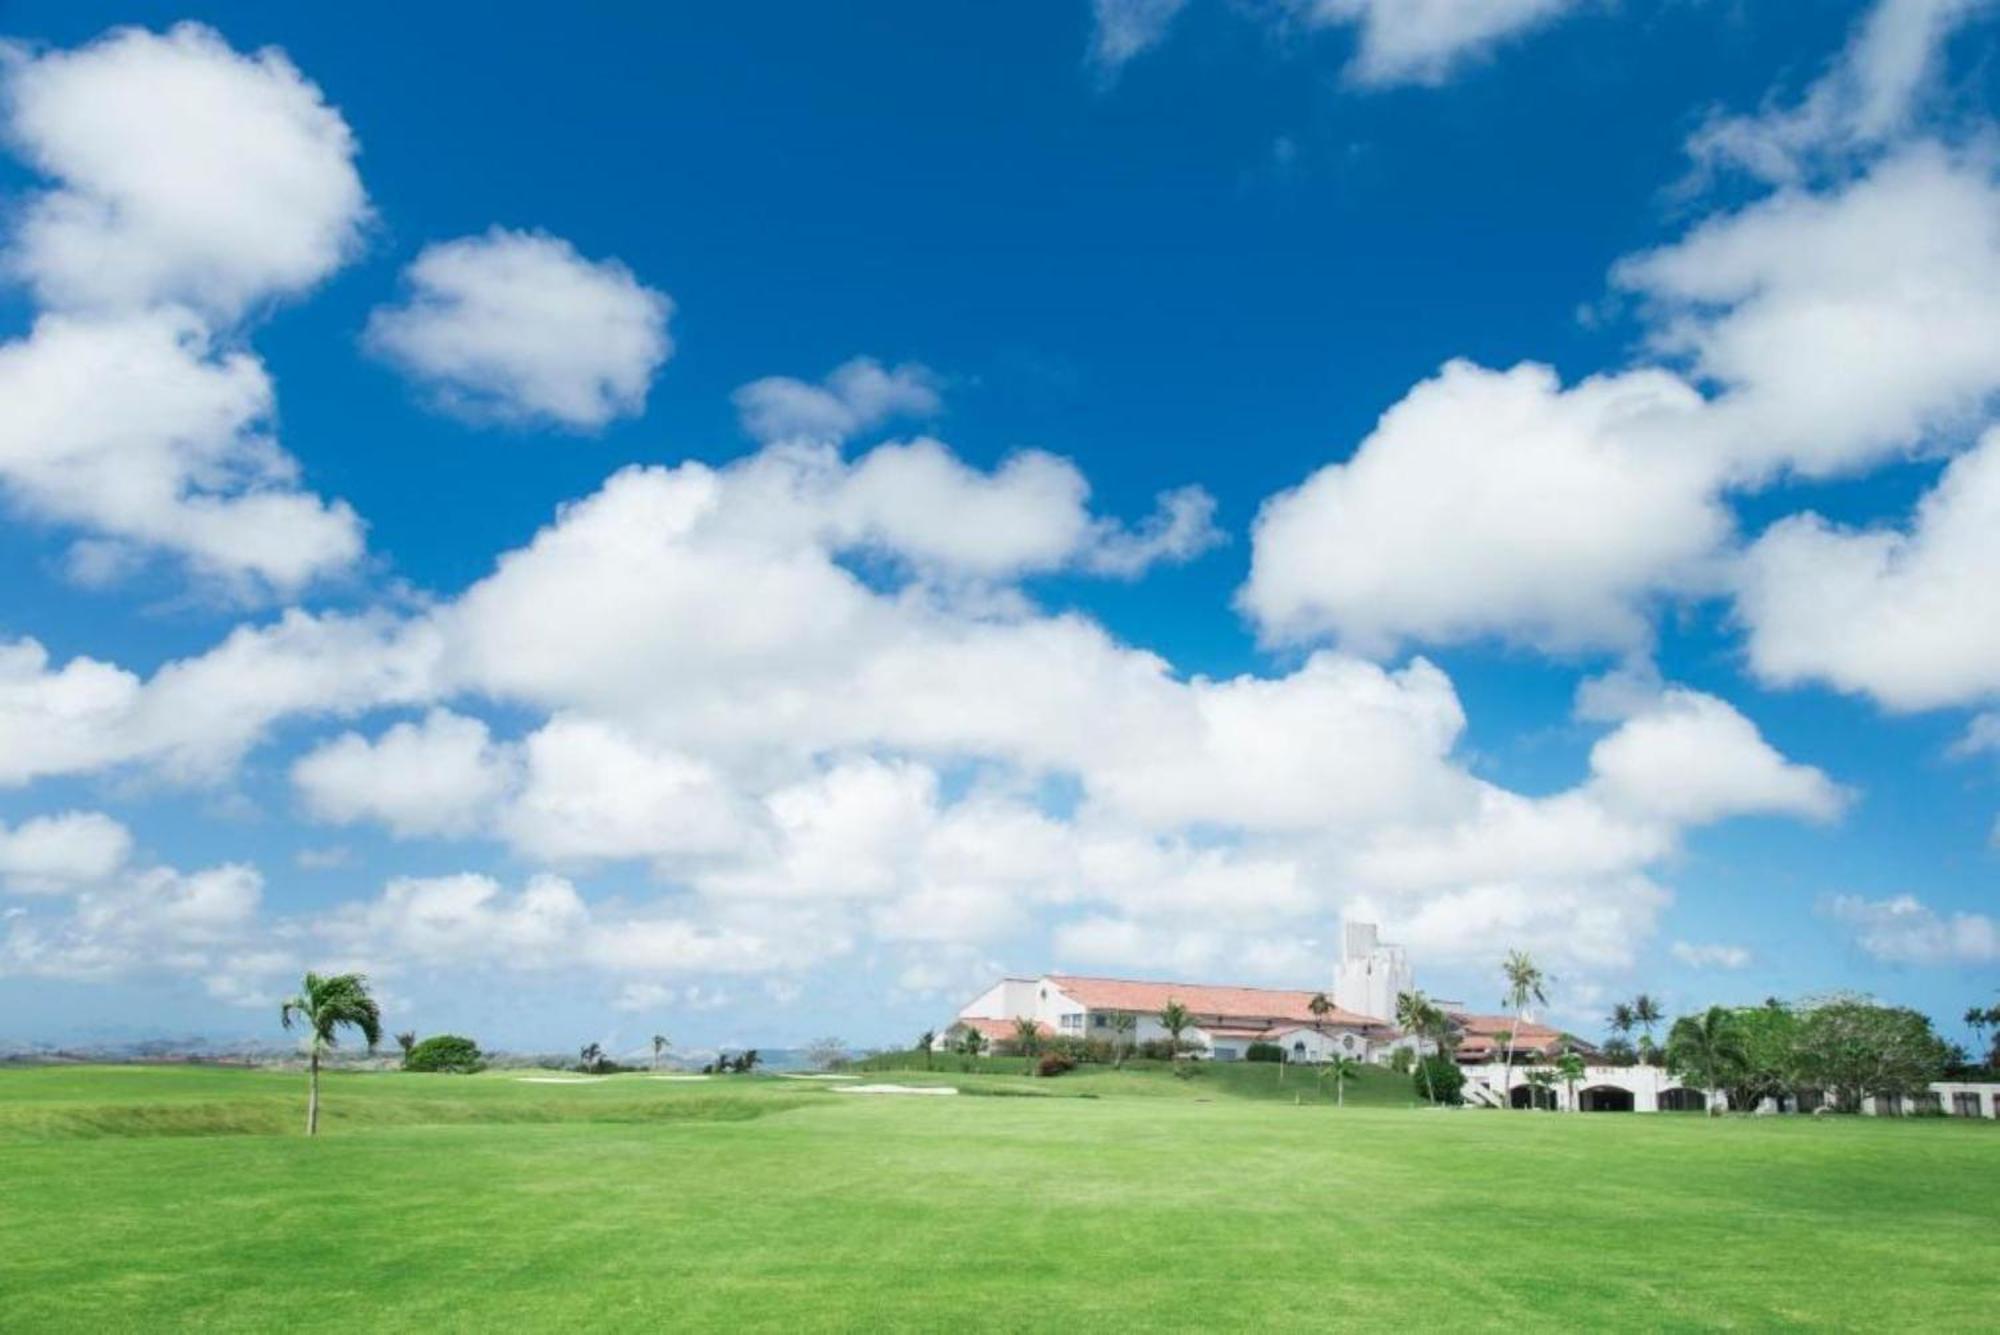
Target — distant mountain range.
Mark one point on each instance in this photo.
(268, 1052)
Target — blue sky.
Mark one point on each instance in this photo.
(798, 726)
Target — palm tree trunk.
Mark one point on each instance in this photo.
(312, 1095)
(1508, 1076)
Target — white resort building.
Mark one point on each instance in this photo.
(1225, 1020)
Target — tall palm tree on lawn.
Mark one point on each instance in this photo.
(1343, 1069)
(924, 1042)
(1175, 1020)
(1524, 984)
(592, 1055)
(1646, 1013)
(324, 1005)
(1976, 1019)
(660, 1045)
(1707, 1049)
(1570, 1067)
(1416, 1017)
(1622, 1019)
(406, 1040)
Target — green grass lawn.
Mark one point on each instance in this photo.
(176, 1198)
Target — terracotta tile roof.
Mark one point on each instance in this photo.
(997, 1029)
(1241, 1004)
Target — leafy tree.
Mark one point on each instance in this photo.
(1618, 1052)
(1439, 1080)
(1646, 1013)
(1524, 984)
(447, 1054)
(1707, 1049)
(826, 1053)
(660, 1045)
(747, 1063)
(1418, 1018)
(1175, 1020)
(925, 1041)
(1123, 1025)
(1855, 1048)
(323, 1006)
(406, 1040)
(1770, 1068)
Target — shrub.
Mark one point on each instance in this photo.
(1162, 1049)
(446, 1053)
(1054, 1063)
(1264, 1052)
(1438, 1078)
(1400, 1061)
(1080, 1050)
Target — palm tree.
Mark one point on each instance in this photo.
(1622, 1019)
(1524, 984)
(1976, 1019)
(406, 1040)
(660, 1045)
(1343, 1069)
(1123, 1025)
(747, 1062)
(592, 1054)
(323, 1006)
(1027, 1036)
(1570, 1067)
(924, 1041)
(1175, 1020)
(1417, 1017)
(970, 1044)
(1706, 1049)
(1646, 1013)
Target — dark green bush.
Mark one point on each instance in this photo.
(1264, 1052)
(445, 1053)
(1438, 1078)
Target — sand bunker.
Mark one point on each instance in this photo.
(561, 1079)
(796, 1075)
(677, 1077)
(894, 1089)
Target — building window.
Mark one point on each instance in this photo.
(1073, 1020)
(1965, 1105)
(1099, 1021)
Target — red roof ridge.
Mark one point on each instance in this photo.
(1205, 987)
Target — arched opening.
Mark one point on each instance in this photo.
(1527, 1096)
(1605, 1098)
(1682, 1100)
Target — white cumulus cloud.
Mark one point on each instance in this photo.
(1904, 930)
(519, 327)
